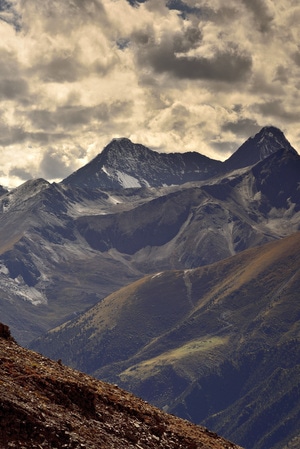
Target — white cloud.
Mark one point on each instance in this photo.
(199, 76)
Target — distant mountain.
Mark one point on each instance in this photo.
(45, 404)
(266, 142)
(61, 245)
(123, 164)
(217, 345)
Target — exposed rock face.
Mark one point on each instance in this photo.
(124, 164)
(47, 405)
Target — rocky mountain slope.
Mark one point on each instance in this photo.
(123, 164)
(217, 345)
(47, 405)
(258, 147)
(61, 244)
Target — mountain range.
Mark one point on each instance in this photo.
(158, 272)
(61, 244)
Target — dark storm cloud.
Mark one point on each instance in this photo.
(244, 127)
(17, 134)
(229, 65)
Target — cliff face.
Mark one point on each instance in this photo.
(47, 405)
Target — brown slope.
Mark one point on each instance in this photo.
(45, 404)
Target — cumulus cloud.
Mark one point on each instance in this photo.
(175, 75)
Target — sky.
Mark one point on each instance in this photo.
(174, 75)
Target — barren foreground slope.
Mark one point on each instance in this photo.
(47, 405)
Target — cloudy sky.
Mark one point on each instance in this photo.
(176, 75)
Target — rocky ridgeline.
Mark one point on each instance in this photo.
(47, 405)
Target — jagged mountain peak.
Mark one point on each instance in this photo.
(270, 139)
(122, 153)
(266, 142)
(124, 164)
(123, 144)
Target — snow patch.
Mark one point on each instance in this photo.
(127, 181)
(88, 208)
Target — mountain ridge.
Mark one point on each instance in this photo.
(123, 164)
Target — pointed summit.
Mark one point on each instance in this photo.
(123, 164)
(266, 142)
